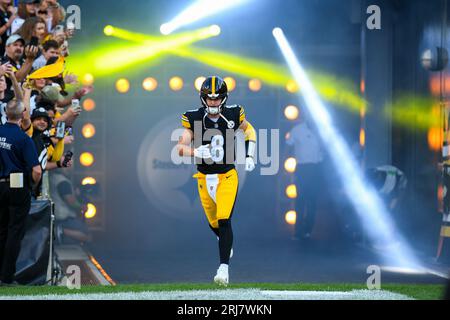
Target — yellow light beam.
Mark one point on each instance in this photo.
(413, 112)
(331, 88)
(110, 59)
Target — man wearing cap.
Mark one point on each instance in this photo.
(15, 48)
(19, 166)
(46, 149)
(52, 93)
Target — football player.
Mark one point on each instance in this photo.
(212, 130)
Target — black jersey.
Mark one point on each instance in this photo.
(220, 135)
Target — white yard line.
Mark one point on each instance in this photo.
(232, 294)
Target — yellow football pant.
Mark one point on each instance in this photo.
(225, 197)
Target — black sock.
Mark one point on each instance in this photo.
(215, 230)
(225, 241)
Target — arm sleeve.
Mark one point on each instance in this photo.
(185, 121)
(250, 133)
(29, 131)
(241, 114)
(56, 153)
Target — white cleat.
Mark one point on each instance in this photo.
(221, 277)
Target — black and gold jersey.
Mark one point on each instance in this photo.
(219, 134)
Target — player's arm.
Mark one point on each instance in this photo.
(184, 144)
(250, 144)
(250, 138)
(26, 120)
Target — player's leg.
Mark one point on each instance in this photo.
(226, 197)
(209, 206)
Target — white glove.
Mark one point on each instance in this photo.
(203, 152)
(249, 164)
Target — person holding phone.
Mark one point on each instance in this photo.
(7, 16)
(15, 50)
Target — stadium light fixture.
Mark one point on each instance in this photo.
(198, 83)
(88, 131)
(123, 85)
(88, 181)
(87, 159)
(291, 191)
(198, 10)
(291, 217)
(150, 84)
(91, 211)
(231, 83)
(291, 113)
(290, 165)
(371, 211)
(254, 85)
(176, 83)
(88, 105)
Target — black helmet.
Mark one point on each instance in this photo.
(214, 88)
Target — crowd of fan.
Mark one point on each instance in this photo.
(34, 42)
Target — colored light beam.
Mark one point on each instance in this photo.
(371, 210)
(333, 89)
(413, 112)
(197, 11)
(106, 60)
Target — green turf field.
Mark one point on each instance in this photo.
(421, 292)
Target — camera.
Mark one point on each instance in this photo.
(34, 41)
(67, 158)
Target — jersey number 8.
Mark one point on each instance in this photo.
(217, 151)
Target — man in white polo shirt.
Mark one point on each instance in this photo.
(309, 155)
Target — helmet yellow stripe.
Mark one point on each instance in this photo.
(213, 85)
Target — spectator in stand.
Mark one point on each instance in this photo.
(52, 13)
(7, 16)
(33, 27)
(50, 49)
(15, 48)
(6, 70)
(26, 9)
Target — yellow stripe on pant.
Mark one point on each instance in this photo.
(225, 196)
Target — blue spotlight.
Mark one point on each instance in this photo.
(371, 210)
(197, 11)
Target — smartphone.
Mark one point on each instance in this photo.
(16, 3)
(60, 130)
(34, 41)
(76, 105)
